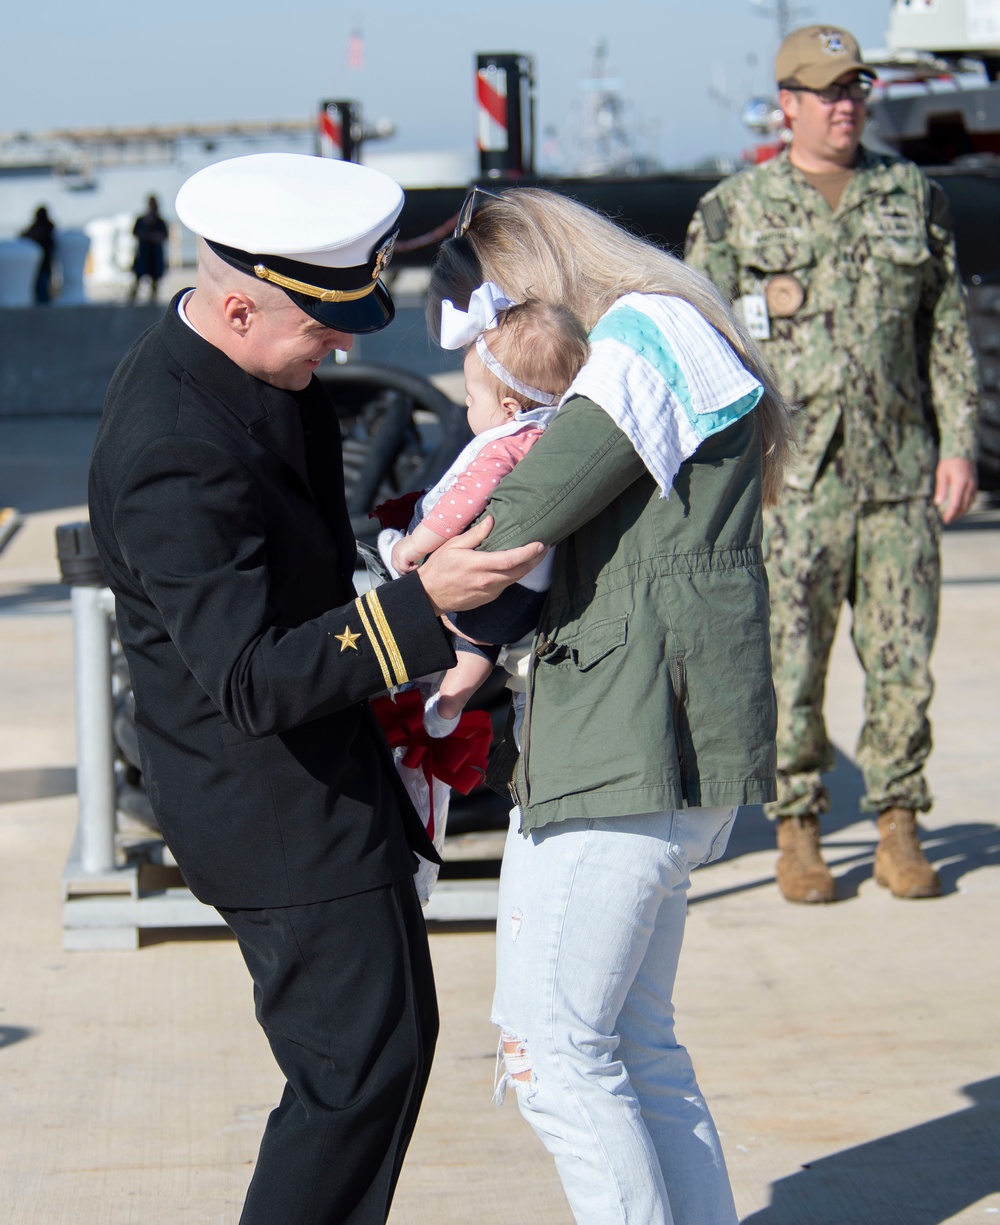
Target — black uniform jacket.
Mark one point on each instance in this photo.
(217, 504)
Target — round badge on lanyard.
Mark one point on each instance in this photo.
(784, 295)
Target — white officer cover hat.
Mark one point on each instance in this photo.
(320, 229)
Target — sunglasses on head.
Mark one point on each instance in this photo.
(857, 91)
(469, 204)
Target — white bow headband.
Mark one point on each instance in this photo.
(460, 328)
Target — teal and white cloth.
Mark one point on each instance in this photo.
(666, 377)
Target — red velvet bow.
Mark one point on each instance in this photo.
(458, 759)
(397, 512)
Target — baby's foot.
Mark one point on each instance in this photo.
(434, 722)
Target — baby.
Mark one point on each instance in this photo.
(515, 374)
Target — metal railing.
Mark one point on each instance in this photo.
(120, 877)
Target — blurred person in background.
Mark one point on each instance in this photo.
(43, 232)
(151, 233)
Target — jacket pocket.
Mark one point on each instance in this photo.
(580, 736)
(899, 258)
(787, 251)
(782, 255)
(900, 251)
(584, 647)
(598, 641)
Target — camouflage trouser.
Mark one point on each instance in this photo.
(883, 558)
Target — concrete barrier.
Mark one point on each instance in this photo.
(19, 260)
(59, 362)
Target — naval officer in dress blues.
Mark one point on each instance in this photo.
(217, 503)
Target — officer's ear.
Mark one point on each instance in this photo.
(238, 310)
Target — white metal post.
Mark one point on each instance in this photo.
(94, 731)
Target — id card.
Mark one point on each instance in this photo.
(754, 308)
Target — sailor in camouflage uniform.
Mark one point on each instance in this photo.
(843, 262)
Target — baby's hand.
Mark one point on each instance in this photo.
(403, 558)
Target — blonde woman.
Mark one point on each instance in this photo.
(650, 713)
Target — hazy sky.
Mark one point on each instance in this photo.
(685, 68)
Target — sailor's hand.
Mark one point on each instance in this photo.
(459, 576)
(955, 486)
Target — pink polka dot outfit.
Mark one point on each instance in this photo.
(466, 499)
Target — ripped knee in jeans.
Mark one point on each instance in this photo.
(513, 1064)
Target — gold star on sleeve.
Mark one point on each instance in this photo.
(347, 639)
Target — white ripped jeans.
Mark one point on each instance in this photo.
(589, 931)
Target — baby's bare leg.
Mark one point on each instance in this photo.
(459, 683)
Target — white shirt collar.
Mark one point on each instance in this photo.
(182, 311)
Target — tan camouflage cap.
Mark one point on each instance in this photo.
(816, 56)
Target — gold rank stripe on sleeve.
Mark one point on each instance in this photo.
(388, 639)
(380, 635)
(370, 633)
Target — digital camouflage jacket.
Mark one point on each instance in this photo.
(866, 315)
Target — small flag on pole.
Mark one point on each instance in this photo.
(356, 50)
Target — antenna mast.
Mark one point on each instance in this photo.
(607, 147)
(783, 19)
(784, 13)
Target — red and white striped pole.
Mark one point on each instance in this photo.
(491, 95)
(500, 80)
(337, 123)
(331, 131)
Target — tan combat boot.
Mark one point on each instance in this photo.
(801, 873)
(900, 864)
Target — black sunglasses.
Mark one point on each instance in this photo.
(465, 213)
(857, 91)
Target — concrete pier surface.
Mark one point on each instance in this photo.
(851, 1053)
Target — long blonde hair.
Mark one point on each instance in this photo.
(538, 244)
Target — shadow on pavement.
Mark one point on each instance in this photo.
(9, 1034)
(955, 850)
(28, 597)
(754, 832)
(921, 1176)
(36, 783)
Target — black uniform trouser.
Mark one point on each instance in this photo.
(345, 993)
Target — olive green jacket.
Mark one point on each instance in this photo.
(650, 683)
(879, 347)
